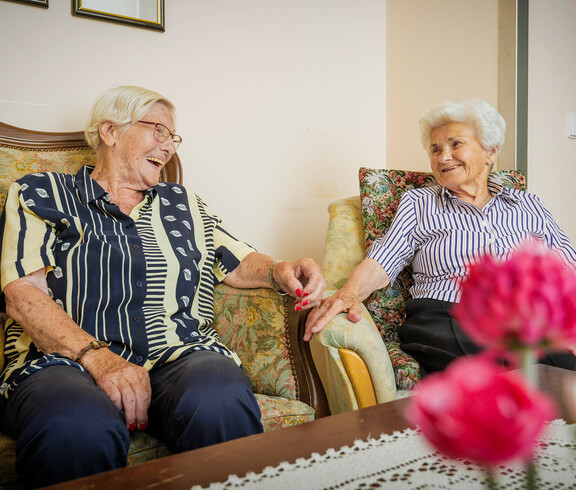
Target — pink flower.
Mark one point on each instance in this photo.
(528, 300)
(475, 410)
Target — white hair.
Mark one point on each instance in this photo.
(487, 123)
(121, 106)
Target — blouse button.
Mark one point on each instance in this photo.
(135, 246)
(139, 284)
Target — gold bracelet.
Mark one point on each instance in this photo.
(95, 344)
(273, 283)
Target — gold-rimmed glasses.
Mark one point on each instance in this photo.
(161, 133)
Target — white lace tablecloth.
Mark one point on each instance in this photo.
(405, 460)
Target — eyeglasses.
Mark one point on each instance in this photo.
(161, 133)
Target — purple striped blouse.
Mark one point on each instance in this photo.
(439, 235)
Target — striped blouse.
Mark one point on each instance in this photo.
(143, 282)
(439, 235)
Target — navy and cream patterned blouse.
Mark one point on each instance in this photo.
(143, 282)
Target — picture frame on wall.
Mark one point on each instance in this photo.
(35, 3)
(148, 14)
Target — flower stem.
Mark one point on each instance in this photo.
(491, 482)
(529, 367)
(531, 476)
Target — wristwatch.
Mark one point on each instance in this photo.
(95, 344)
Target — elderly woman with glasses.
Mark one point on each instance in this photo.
(439, 230)
(108, 277)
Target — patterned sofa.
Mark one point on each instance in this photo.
(365, 364)
(257, 323)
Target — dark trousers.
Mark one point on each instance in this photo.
(67, 427)
(432, 337)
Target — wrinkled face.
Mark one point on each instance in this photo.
(140, 154)
(457, 158)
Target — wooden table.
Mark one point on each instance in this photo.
(254, 453)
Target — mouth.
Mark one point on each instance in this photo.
(156, 162)
(449, 169)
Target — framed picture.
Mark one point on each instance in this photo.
(139, 13)
(36, 3)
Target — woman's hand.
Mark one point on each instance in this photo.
(52, 330)
(343, 300)
(366, 277)
(126, 384)
(301, 279)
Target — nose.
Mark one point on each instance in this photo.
(169, 147)
(445, 155)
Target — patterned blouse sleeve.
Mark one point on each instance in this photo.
(26, 241)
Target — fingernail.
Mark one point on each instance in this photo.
(132, 426)
(299, 292)
(304, 303)
(143, 426)
(298, 308)
(306, 294)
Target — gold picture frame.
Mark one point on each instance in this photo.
(138, 13)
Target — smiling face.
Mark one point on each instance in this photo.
(458, 160)
(136, 156)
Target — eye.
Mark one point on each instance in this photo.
(456, 144)
(435, 150)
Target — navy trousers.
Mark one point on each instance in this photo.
(432, 337)
(66, 427)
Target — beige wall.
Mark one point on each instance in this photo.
(551, 97)
(435, 50)
(279, 102)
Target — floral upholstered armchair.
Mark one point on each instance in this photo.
(365, 364)
(256, 323)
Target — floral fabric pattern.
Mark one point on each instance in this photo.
(253, 323)
(380, 193)
(19, 162)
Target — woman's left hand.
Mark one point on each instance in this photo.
(301, 279)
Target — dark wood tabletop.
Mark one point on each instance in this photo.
(215, 463)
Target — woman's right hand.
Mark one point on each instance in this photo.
(125, 383)
(343, 300)
(366, 277)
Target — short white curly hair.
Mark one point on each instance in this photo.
(485, 121)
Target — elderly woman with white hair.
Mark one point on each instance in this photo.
(108, 277)
(440, 229)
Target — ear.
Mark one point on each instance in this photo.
(492, 154)
(108, 133)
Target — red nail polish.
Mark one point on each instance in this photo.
(132, 426)
(304, 303)
(143, 426)
(306, 294)
(299, 292)
(298, 308)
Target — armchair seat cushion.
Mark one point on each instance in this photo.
(279, 412)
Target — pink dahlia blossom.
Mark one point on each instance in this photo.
(475, 410)
(526, 301)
